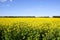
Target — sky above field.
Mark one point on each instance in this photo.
(29, 7)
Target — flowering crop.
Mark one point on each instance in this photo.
(30, 28)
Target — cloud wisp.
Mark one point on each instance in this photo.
(11, 0)
(5, 0)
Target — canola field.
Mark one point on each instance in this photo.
(29, 28)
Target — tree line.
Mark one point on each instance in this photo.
(29, 17)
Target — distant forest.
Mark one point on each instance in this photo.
(29, 17)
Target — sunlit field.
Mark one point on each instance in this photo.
(29, 28)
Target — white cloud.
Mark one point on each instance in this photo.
(5, 0)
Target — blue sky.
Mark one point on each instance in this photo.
(29, 7)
